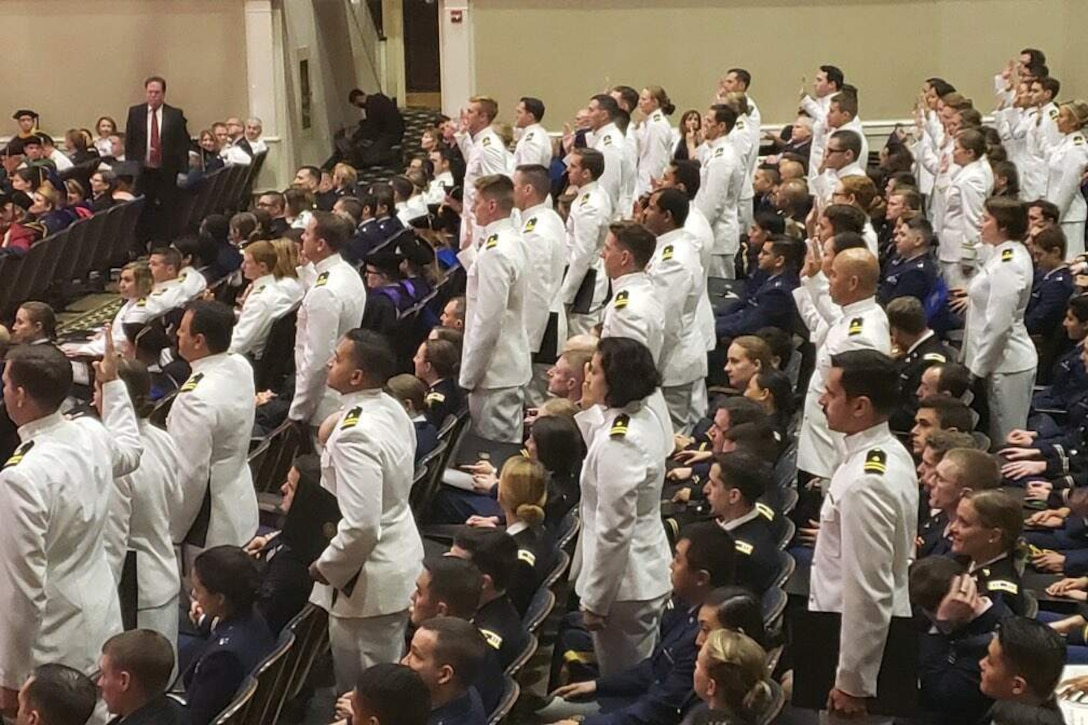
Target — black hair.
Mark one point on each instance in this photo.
(231, 572)
(845, 218)
(214, 320)
(850, 141)
(686, 173)
(61, 695)
(395, 693)
(741, 410)
(847, 240)
(459, 644)
(372, 354)
(780, 342)
(770, 222)
(722, 113)
(738, 609)
(745, 472)
(1011, 712)
(871, 374)
(940, 86)
(952, 413)
(43, 371)
(493, 551)
(930, 579)
(1078, 305)
(559, 444)
(457, 582)
(675, 203)
(636, 239)
(607, 103)
(778, 383)
(534, 106)
(629, 370)
(834, 75)
(744, 76)
(711, 549)
(758, 438)
(1034, 651)
(954, 379)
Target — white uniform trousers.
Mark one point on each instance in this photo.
(1074, 239)
(498, 414)
(629, 635)
(164, 620)
(536, 390)
(360, 642)
(1008, 397)
(722, 266)
(686, 404)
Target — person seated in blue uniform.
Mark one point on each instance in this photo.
(447, 653)
(933, 526)
(1059, 541)
(959, 472)
(1068, 380)
(985, 533)
(522, 496)
(134, 672)
(918, 348)
(731, 679)
(390, 694)
(772, 304)
(737, 480)
(911, 271)
(495, 554)
(450, 587)
(765, 224)
(1053, 283)
(656, 689)
(959, 622)
(436, 363)
(412, 393)
(1023, 665)
(225, 584)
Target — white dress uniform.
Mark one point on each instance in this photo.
(718, 200)
(534, 147)
(636, 312)
(484, 155)
(996, 344)
(495, 364)
(961, 223)
(413, 208)
(141, 508)
(823, 186)
(333, 305)
(1042, 137)
(868, 523)
(747, 149)
(133, 311)
(373, 560)
(654, 150)
(702, 239)
(440, 184)
(1011, 127)
(612, 144)
(211, 421)
(193, 281)
(1067, 164)
(630, 175)
(817, 109)
(57, 596)
(165, 296)
(863, 326)
(681, 286)
(265, 303)
(818, 312)
(587, 228)
(917, 147)
(855, 125)
(546, 244)
(621, 562)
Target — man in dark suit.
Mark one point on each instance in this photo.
(157, 138)
(135, 670)
(919, 350)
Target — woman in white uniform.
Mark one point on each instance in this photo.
(266, 300)
(654, 136)
(996, 346)
(1065, 169)
(134, 286)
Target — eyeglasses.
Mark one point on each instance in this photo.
(835, 151)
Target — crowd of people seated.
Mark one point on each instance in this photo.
(715, 369)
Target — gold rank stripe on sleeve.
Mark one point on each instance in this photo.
(352, 418)
(1006, 256)
(435, 397)
(1002, 585)
(666, 253)
(744, 547)
(622, 298)
(619, 425)
(855, 326)
(486, 142)
(585, 199)
(142, 302)
(527, 556)
(322, 279)
(17, 456)
(493, 639)
(765, 511)
(191, 383)
(935, 357)
(491, 242)
(530, 225)
(876, 461)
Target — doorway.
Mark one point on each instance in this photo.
(422, 67)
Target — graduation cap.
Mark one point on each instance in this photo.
(34, 139)
(388, 263)
(25, 112)
(416, 251)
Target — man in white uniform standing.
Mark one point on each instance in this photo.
(868, 522)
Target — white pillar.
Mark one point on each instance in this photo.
(457, 55)
(260, 64)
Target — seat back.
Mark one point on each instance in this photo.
(510, 693)
(568, 529)
(773, 707)
(785, 470)
(270, 673)
(523, 657)
(235, 712)
(541, 605)
(278, 361)
(783, 569)
(311, 628)
(562, 562)
(285, 443)
(422, 495)
(772, 605)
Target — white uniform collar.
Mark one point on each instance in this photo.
(865, 438)
(990, 562)
(28, 431)
(350, 400)
(480, 134)
(739, 521)
(517, 527)
(851, 169)
(533, 210)
(499, 225)
(925, 336)
(266, 279)
(670, 237)
(860, 306)
(327, 263)
(167, 284)
(629, 280)
(209, 361)
(591, 186)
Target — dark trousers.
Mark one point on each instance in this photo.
(160, 191)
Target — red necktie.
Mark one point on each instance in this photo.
(154, 154)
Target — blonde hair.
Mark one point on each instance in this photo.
(755, 349)
(488, 105)
(558, 408)
(286, 258)
(523, 487)
(141, 275)
(344, 172)
(738, 101)
(737, 664)
(264, 253)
